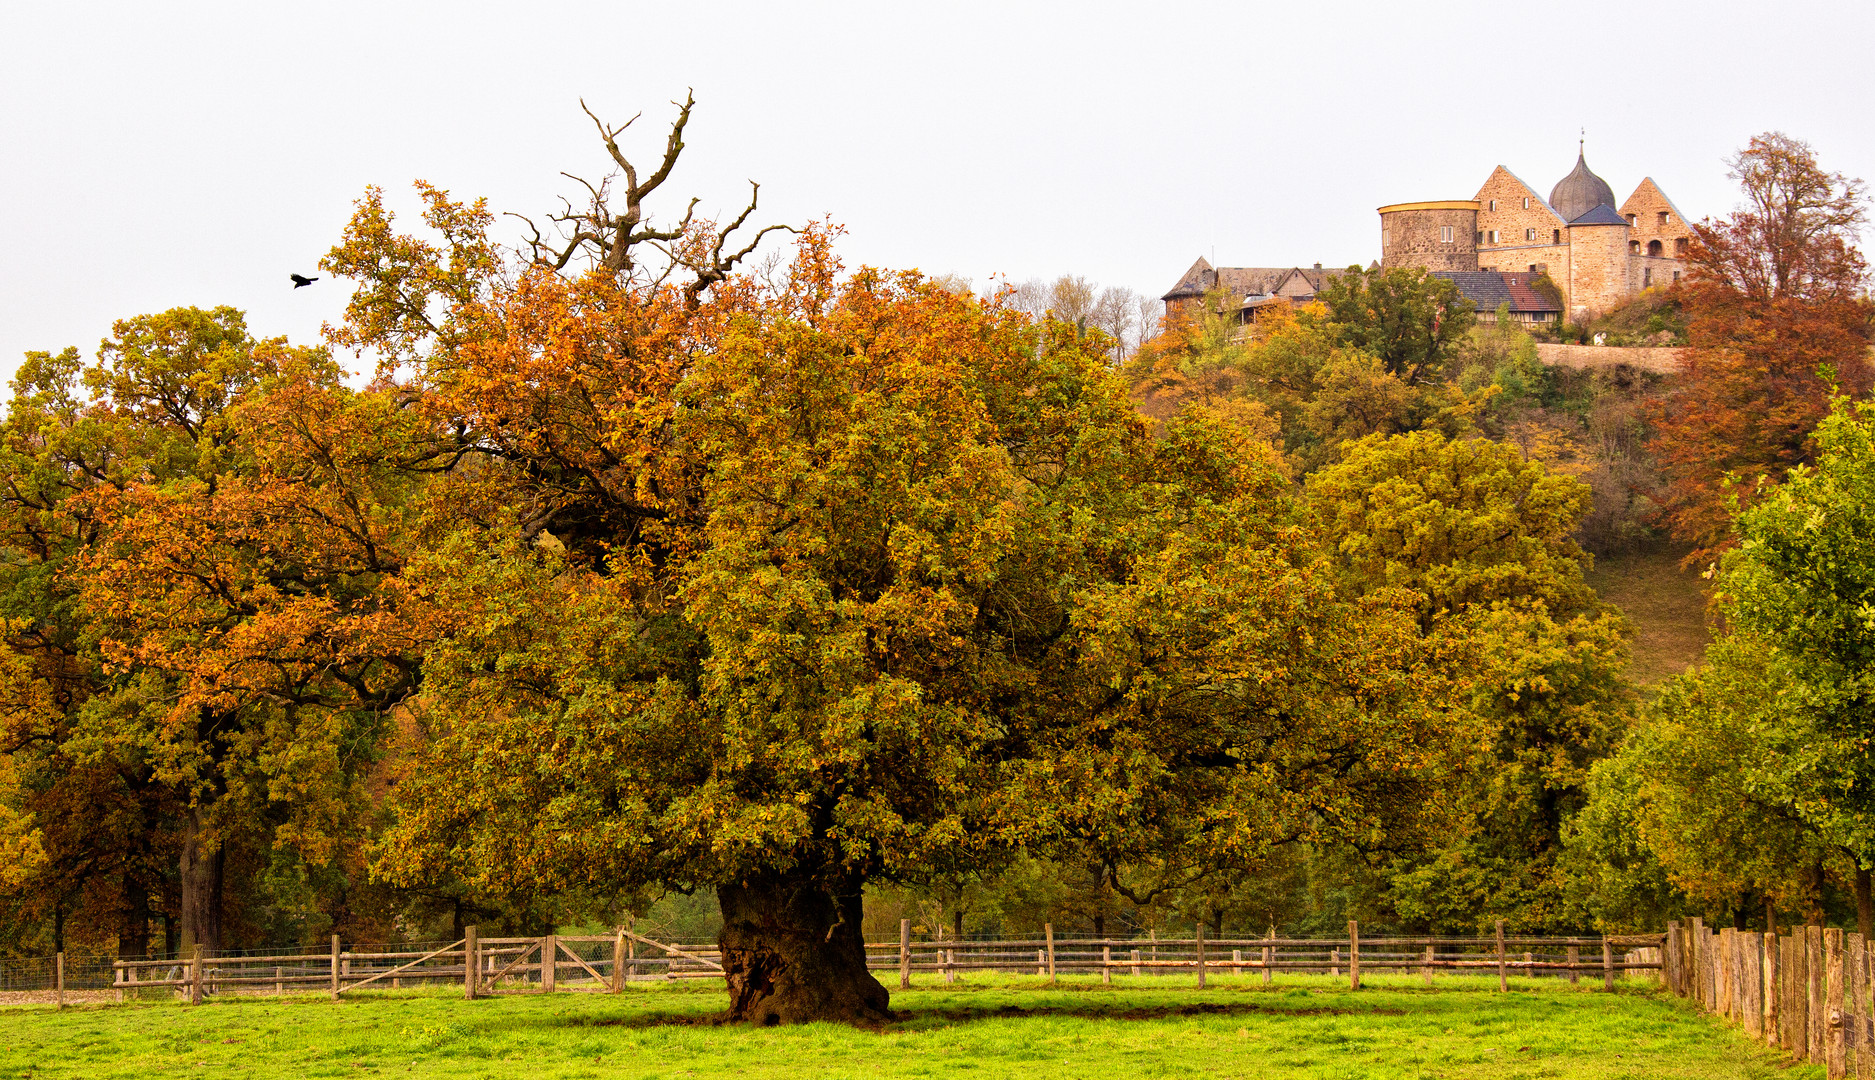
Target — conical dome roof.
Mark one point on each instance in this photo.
(1580, 192)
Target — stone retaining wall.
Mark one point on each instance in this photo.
(1658, 361)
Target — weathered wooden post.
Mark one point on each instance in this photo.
(279, 982)
(1334, 962)
(195, 975)
(1135, 963)
(1236, 962)
(335, 967)
(1106, 965)
(1670, 958)
(549, 962)
(1750, 1011)
(1608, 964)
(1697, 954)
(1503, 980)
(1836, 1062)
(1574, 957)
(618, 961)
(1818, 993)
(471, 961)
(58, 977)
(1427, 970)
(904, 954)
(1200, 941)
(1269, 956)
(1769, 987)
(1857, 1014)
(117, 979)
(1048, 933)
(1354, 954)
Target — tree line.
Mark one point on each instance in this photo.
(636, 573)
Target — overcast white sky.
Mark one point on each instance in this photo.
(163, 154)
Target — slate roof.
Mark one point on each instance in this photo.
(1600, 215)
(1487, 289)
(1244, 280)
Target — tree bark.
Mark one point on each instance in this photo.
(793, 953)
(133, 928)
(199, 886)
(1864, 907)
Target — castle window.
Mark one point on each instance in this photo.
(1386, 237)
(1634, 247)
(1555, 236)
(1663, 219)
(1526, 202)
(1445, 234)
(1494, 236)
(1647, 278)
(1676, 275)
(1529, 234)
(1653, 247)
(1480, 238)
(1679, 248)
(1494, 204)
(1631, 221)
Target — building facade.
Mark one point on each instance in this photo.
(1598, 255)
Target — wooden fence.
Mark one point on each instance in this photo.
(1806, 991)
(606, 962)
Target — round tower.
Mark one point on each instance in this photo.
(1598, 262)
(1439, 235)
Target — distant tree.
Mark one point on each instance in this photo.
(1411, 320)
(1777, 321)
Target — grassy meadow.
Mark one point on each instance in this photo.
(1665, 606)
(989, 1027)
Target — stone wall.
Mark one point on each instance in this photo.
(1411, 236)
(1653, 218)
(1598, 269)
(1646, 272)
(1513, 221)
(1550, 259)
(1664, 361)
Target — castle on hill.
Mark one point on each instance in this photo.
(1494, 245)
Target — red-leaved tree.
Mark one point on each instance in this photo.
(1777, 317)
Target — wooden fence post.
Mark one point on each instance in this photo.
(1852, 952)
(1669, 958)
(904, 952)
(58, 977)
(471, 963)
(1354, 955)
(335, 967)
(1236, 961)
(117, 979)
(618, 961)
(1427, 970)
(1697, 954)
(1817, 993)
(1503, 981)
(1751, 1010)
(1835, 1046)
(1041, 962)
(1269, 956)
(1106, 965)
(1136, 963)
(1334, 962)
(1859, 1011)
(549, 962)
(1795, 1027)
(1768, 985)
(1608, 964)
(1200, 940)
(1724, 982)
(1574, 957)
(195, 975)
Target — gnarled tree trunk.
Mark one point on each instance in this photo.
(793, 953)
(199, 871)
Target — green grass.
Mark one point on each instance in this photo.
(992, 1027)
(1666, 607)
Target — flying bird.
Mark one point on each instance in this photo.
(299, 281)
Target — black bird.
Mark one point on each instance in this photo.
(301, 281)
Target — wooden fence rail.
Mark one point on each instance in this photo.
(607, 962)
(1806, 991)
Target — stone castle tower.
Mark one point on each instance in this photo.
(1598, 255)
